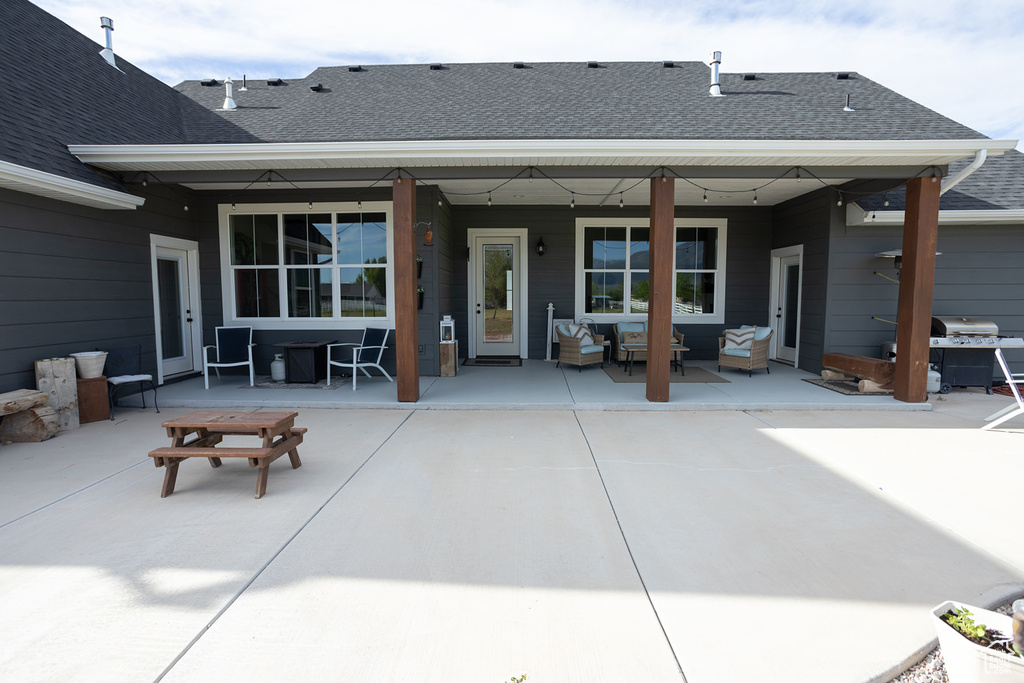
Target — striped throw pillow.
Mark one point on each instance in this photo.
(739, 339)
(583, 333)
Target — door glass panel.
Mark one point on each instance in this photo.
(792, 299)
(498, 287)
(172, 333)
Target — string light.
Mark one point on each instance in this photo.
(621, 205)
(798, 178)
(186, 207)
(755, 196)
(705, 196)
(840, 202)
(488, 199)
(232, 206)
(572, 203)
(311, 203)
(885, 199)
(359, 204)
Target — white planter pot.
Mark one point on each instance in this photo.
(967, 662)
(89, 364)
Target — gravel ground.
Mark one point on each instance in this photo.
(932, 669)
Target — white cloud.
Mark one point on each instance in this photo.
(959, 58)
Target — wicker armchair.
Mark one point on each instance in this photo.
(757, 359)
(572, 351)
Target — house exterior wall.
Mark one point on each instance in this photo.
(552, 276)
(74, 278)
(806, 221)
(427, 211)
(978, 274)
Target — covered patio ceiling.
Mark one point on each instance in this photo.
(590, 172)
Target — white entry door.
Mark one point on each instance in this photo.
(497, 296)
(786, 287)
(176, 305)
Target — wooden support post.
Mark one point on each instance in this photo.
(662, 288)
(406, 317)
(917, 280)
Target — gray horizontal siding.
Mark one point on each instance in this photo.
(978, 273)
(75, 279)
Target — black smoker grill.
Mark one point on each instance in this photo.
(964, 351)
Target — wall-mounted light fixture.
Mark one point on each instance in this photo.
(540, 247)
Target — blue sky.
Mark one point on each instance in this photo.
(962, 59)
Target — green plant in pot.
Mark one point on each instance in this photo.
(977, 644)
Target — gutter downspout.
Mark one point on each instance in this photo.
(951, 182)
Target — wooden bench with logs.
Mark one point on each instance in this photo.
(875, 374)
(26, 417)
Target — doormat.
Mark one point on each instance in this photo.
(493, 362)
(846, 387)
(267, 383)
(694, 375)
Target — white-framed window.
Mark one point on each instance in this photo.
(289, 266)
(613, 262)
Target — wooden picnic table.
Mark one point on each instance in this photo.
(277, 431)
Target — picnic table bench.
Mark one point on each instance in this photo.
(277, 431)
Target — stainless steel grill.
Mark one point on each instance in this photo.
(963, 349)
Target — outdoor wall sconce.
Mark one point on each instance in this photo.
(540, 247)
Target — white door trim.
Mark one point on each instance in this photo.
(777, 256)
(194, 302)
(524, 304)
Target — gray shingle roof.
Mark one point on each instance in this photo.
(619, 100)
(997, 185)
(57, 90)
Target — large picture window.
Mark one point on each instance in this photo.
(613, 269)
(307, 268)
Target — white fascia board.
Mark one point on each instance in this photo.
(451, 151)
(855, 216)
(32, 181)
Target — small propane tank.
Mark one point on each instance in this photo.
(934, 381)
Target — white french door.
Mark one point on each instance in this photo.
(178, 323)
(787, 280)
(497, 296)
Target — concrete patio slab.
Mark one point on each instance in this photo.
(471, 548)
(474, 545)
(112, 581)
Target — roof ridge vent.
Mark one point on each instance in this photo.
(750, 77)
(668, 65)
(716, 87)
(843, 76)
(593, 65)
(316, 87)
(436, 66)
(229, 101)
(208, 82)
(275, 82)
(107, 24)
(356, 69)
(518, 65)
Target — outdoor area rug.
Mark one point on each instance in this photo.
(494, 362)
(267, 383)
(845, 387)
(694, 375)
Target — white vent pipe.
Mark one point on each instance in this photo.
(107, 24)
(229, 101)
(716, 87)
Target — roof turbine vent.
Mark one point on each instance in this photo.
(716, 88)
(107, 24)
(229, 101)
